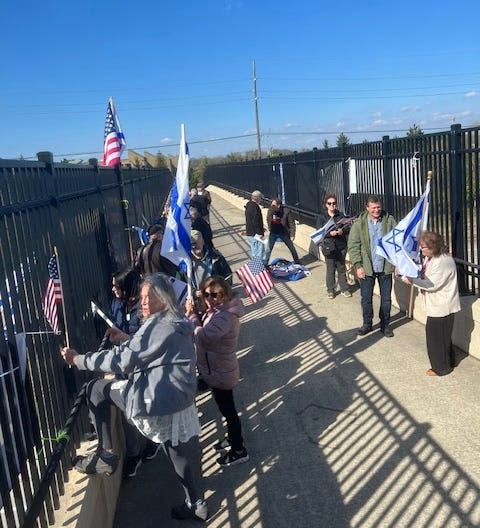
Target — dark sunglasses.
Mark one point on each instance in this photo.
(331, 203)
(210, 294)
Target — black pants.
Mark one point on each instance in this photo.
(336, 263)
(185, 458)
(438, 331)
(226, 405)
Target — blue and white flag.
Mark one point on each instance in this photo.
(142, 234)
(320, 234)
(400, 245)
(176, 245)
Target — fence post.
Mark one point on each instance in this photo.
(387, 173)
(457, 186)
(317, 183)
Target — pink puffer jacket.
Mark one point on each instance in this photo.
(216, 339)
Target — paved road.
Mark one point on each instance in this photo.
(342, 431)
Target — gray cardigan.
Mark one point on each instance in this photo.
(159, 361)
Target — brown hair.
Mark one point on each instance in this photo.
(434, 243)
(328, 197)
(220, 282)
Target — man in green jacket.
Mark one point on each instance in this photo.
(365, 233)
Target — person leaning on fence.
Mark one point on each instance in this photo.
(158, 396)
(125, 313)
(254, 226)
(149, 259)
(365, 233)
(439, 290)
(281, 224)
(334, 247)
(216, 338)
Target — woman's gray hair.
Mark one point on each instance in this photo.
(162, 288)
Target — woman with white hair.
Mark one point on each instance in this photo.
(158, 396)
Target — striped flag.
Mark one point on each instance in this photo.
(400, 245)
(176, 244)
(114, 140)
(53, 294)
(318, 236)
(255, 279)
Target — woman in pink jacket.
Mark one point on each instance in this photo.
(216, 338)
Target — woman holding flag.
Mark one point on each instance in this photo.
(438, 286)
(334, 246)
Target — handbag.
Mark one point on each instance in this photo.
(328, 247)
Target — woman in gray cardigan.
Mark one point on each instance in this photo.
(158, 394)
(439, 289)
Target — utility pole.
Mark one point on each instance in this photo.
(255, 102)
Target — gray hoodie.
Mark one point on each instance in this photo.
(159, 361)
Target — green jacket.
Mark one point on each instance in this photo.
(359, 250)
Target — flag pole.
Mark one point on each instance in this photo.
(65, 326)
(423, 227)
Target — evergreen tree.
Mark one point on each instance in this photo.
(414, 130)
(342, 140)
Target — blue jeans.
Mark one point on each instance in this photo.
(366, 291)
(272, 238)
(257, 249)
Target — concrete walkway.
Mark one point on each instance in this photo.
(341, 431)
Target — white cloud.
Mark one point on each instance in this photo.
(290, 125)
(472, 94)
(340, 124)
(380, 122)
(166, 140)
(415, 108)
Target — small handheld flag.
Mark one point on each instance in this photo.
(255, 279)
(53, 294)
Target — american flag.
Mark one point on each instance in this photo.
(53, 294)
(114, 140)
(255, 279)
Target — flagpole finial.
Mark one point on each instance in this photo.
(429, 175)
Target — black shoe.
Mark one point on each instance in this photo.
(197, 511)
(151, 450)
(223, 445)
(363, 330)
(130, 466)
(232, 458)
(387, 331)
(95, 464)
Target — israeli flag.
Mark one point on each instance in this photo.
(142, 234)
(176, 245)
(318, 236)
(400, 245)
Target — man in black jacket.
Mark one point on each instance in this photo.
(281, 224)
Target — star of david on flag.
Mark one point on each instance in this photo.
(176, 245)
(400, 245)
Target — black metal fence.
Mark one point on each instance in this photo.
(84, 211)
(393, 168)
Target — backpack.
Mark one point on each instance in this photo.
(283, 269)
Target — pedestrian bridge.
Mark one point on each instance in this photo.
(342, 431)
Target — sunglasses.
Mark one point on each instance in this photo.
(331, 203)
(213, 295)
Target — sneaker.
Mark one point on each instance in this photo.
(387, 331)
(346, 293)
(130, 466)
(223, 445)
(95, 464)
(197, 511)
(363, 330)
(151, 450)
(331, 295)
(232, 458)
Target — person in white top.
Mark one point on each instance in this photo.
(439, 288)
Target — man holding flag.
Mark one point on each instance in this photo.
(365, 235)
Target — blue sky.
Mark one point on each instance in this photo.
(365, 68)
